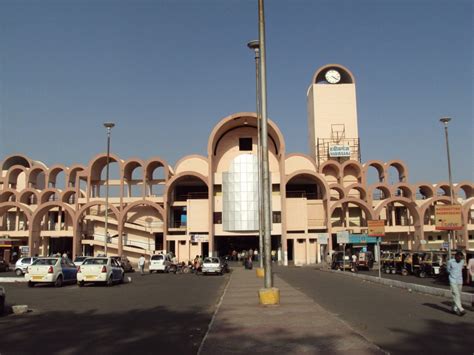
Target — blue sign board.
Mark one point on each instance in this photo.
(362, 239)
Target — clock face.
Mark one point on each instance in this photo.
(333, 76)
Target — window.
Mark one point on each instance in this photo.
(217, 217)
(439, 237)
(470, 237)
(276, 217)
(430, 237)
(245, 144)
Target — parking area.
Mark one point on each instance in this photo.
(153, 313)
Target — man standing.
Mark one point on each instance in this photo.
(455, 267)
(141, 264)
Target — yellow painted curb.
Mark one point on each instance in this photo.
(269, 296)
(260, 271)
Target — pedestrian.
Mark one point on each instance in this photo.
(470, 270)
(455, 267)
(251, 253)
(141, 264)
(255, 255)
(64, 255)
(273, 253)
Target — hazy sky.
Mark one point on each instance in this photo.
(167, 71)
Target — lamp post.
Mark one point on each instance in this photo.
(255, 46)
(108, 126)
(445, 121)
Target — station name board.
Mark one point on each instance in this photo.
(339, 151)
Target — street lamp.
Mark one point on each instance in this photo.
(108, 126)
(255, 46)
(445, 121)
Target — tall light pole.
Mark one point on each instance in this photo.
(108, 126)
(445, 121)
(255, 45)
(273, 295)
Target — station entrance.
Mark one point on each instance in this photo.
(225, 245)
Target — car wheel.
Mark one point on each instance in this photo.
(109, 281)
(404, 272)
(31, 284)
(59, 281)
(18, 272)
(80, 283)
(422, 274)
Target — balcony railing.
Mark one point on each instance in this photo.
(192, 196)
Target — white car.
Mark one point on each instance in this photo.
(22, 264)
(212, 265)
(100, 270)
(79, 260)
(159, 262)
(53, 270)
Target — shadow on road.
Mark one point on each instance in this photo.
(438, 307)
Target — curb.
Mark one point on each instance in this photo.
(12, 279)
(466, 298)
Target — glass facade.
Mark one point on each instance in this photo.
(240, 195)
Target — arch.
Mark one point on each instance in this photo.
(154, 163)
(243, 119)
(424, 190)
(67, 196)
(25, 196)
(18, 160)
(360, 188)
(338, 188)
(7, 194)
(467, 187)
(45, 196)
(362, 204)
(175, 179)
(133, 189)
(131, 206)
(183, 164)
(444, 186)
(34, 177)
(314, 175)
(378, 165)
(53, 173)
(387, 193)
(351, 168)
(411, 205)
(401, 169)
(406, 189)
(424, 207)
(98, 163)
(88, 205)
(5, 206)
(13, 173)
(129, 167)
(71, 174)
(346, 75)
(466, 208)
(331, 171)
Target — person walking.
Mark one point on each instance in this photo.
(470, 270)
(455, 267)
(141, 264)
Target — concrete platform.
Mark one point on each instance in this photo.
(297, 325)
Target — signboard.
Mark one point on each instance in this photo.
(362, 239)
(343, 237)
(25, 250)
(448, 217)
(322, 238)
(445, 245)
(199, 238)
(376, 228)
(339, 151)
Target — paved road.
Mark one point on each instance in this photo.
(159, 313)
(398, 321)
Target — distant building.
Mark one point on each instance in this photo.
(208, 204)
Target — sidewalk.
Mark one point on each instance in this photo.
(298, 325)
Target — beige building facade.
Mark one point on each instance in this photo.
(207, 204)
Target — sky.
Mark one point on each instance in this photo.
(167, 71)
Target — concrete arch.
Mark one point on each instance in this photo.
(16, 159)
(431, 201)
(46, 195)
(131, 206)
(345, 73)
(352, 163)
(66, 195)
(331, 170)
(23, 196)
(13, 173)
(359, 187)
(293, 162)
(6, 194)
(362, 204)
(53, 173)
(180, 166)
(339, 189)
(319, 179)
(154, 163)
(88, 205)
(467, 187)
(443, 185)
(244, 119)
(466, 208)
(72, 172)
(406, 189)
(98, 163)
(411, 205)
(175, 179)
(33, 174)
(400, 167)
(378, 165)
(129, 167)
(385, 188)
(426, 189)
(5, 206)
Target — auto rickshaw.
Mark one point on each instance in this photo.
(341, 262)
(365, 260)
(387, 261)
(410, 263)
(430, 264)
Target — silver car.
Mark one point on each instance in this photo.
(21, 265)
(212, 265)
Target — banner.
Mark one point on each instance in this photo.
(448, 217)
(339, 151)
(376, 228)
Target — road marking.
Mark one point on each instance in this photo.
(209, 327)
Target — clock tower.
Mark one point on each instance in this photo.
(332, 115)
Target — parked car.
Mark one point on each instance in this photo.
(22, 264)
(79, 260)
(124, 263)
(4, 266)
(54, 270)
(212, 265)
(3, 297)
(105, 270)
(160, 263)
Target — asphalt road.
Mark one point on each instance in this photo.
(158, 313)
(398, 321)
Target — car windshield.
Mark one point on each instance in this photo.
(157, 257)
(45, 261)
(80, 258)
(211, 260)
(95, 261)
